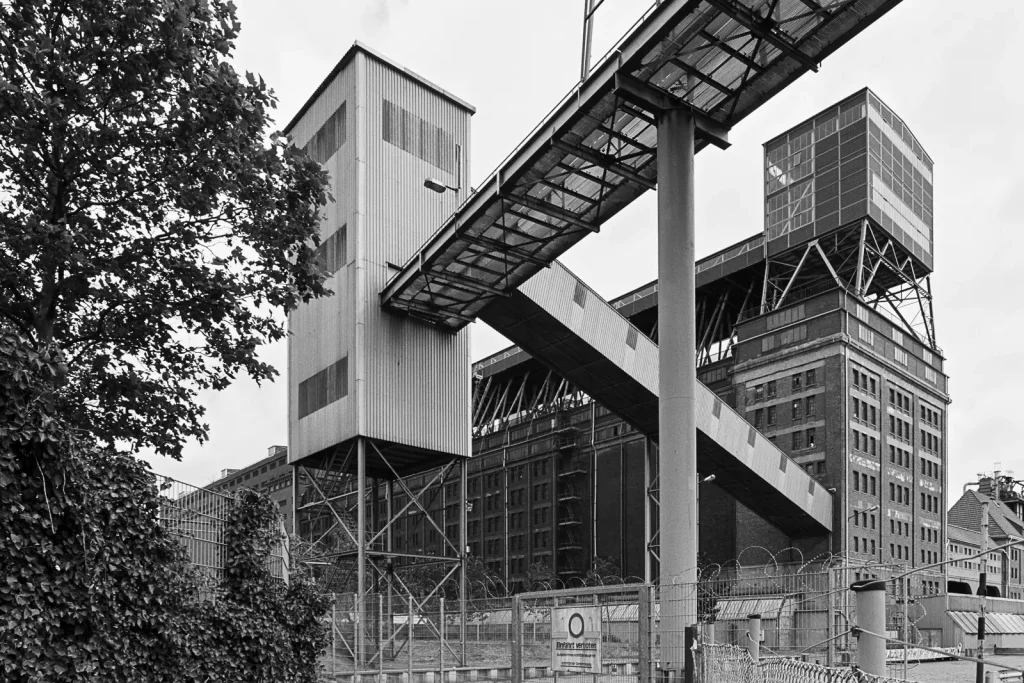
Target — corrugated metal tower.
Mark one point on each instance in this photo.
(373, 397)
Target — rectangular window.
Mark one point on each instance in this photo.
(811, 378)
(900, 356)
(811, 408)
(797, 441)
(866, 335)
(323, 388)
(810, 438)
(897, 336)
(329, 138)
(772, 415)
(771, 389)
(759, 418)
(412, 134)
(796, 410)
(332, 253)
(796, 379)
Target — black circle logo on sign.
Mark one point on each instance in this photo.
(576, 625)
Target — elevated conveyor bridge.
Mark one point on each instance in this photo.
(588, 159)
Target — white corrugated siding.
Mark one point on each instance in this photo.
(417, 378)
(323, 331)
(407, 383)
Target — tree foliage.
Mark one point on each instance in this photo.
(93, 589)
(150, 221)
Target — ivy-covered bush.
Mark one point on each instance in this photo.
(91, 587)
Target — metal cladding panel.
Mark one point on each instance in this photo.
(323, 331)
(415, 378)
(565, 324)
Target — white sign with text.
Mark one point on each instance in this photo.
(576, 639)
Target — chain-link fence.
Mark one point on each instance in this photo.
(620, 634)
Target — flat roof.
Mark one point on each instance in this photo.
(356, 48)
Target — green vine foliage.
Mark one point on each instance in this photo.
(93, 589)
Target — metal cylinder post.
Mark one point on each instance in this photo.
(360, 652)
(870, 596)
(677, 431)
(754, 636)
(983, 592)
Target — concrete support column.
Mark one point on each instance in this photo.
(754, 636)
(870, 597)
(677, 436)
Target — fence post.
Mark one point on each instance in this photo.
(441, 661)
(517, 640)
(754, 637)
(870, 596)
(334, 633)
(644, 633)
(412, 630)
(380, 638)
(830, 625)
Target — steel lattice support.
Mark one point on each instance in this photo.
(864, 260)
(349, 516)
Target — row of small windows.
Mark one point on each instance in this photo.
(929, 534)
(865, 382)
(900, 401)
(790, 336)
(865, 483)
(804, 439)
(901, 429)
(899, 528)
(790, 315)
(862, 519)
(864, 443)
(900, 457)
(930, 442)
(929, 503)
(932, 417)
(860, 545)
(899, 494)
(806, 407)
(797, 382)
(863, 412)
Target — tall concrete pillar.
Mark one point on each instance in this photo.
(754, 636)
(677, 432)
(870, 597)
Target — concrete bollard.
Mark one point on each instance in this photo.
(870, 596)
(754, 636)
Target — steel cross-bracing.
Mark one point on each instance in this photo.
(596, 151)
(863, 259)
(349, 517)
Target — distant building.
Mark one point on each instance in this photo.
(271, 476)
(964, 534)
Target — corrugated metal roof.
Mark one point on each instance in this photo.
(768, 608)
(996, 623)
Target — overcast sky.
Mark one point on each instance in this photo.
(945, 66)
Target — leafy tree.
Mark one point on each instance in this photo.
(94, 589)
(603, 571)
(150, 222)
(539, 576)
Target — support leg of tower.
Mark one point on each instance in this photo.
(677, 384)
